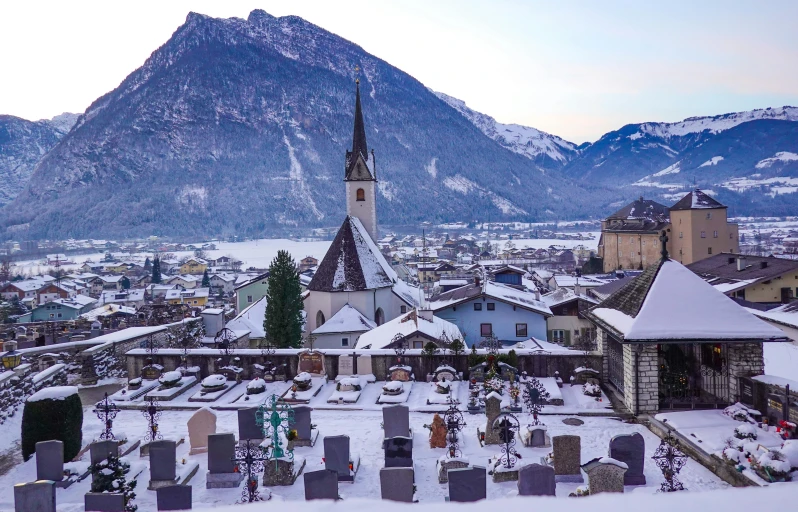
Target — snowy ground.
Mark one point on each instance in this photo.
(781, 360)
(363, 427)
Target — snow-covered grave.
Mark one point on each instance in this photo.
(212, 388)
(395, 392)
(172, 384)
(348, 390)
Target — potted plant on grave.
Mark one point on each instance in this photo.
(591, 389)
(134, 384)
(170, 379)
(213, 383)
(443, 387)
(256, 386)
(393, 388)
(772, 466)
(303, 381)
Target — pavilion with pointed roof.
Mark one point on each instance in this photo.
(670, 340)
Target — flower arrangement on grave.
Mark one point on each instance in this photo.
(393, 388)
(256, 386)
(493, 383)
(591, 389)
(291, 435)
(133, 384)
(745, 431)
(443, 387)
(580, 492)
(786, 429)
(170, 379)
(303, 381)
(514, 394)
(772, 466)
(109, 476)
(348, 384)
(213, 383)
(738, 412)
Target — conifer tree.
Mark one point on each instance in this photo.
(147, 264)
(109, 476)
(125, 282)
(283, 322)
(206, 282)
(156, 270)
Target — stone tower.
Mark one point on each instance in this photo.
(361, 176)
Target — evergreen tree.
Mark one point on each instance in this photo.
(156, 270)
(109, 476)
(283, 322)
(125, 282)
(206, 282)
(147, 264)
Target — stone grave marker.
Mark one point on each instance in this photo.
(100, 450)
(247, 426)
(50, 460)
(311, 362)
(631, 450)
(345, 365)
(604, 475)
(221, 468)
(364, 365)
(468, 484)
(38, 496)
(103, 502)
(201, 424)
(537, 436)
(567, 459)
(396, 421)
(338, 458)
(492, 411)
(303, 426)
(174, 497)
(321, 485)
(163, 458)
(398, 452)
(396, 484)
(536, 480)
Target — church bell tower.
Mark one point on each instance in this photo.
(360, 175)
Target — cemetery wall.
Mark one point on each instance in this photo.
(745, 360)
(641, 393)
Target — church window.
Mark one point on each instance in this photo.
(319, 319)
(709, 250)
(361, 194)
(403, 309)
(344, 342)
(379, 316)
(715, 234)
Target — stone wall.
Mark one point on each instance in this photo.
(745, 360)
(644, 398)
(601, 343)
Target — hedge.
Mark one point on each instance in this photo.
(53, 419)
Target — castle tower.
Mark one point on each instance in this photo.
(360, 175)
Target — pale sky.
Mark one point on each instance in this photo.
(576, 69)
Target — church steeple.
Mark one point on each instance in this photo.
(358, 165)
(359, 145)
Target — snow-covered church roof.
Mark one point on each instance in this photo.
(405, 325)
(669, 302)
(347, 319)
(251, 319)
(352, 263)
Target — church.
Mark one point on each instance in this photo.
(355, 288)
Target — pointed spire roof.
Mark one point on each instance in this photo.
(352, 263)
(697, 200)
(357, 160)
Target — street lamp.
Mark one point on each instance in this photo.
(11, 358)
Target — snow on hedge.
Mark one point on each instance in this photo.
(53, 393)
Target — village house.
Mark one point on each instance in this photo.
(568, 322)
(307, 263)
(766, 280)
(251, 290)
(131, 298)
(193, 265)
(27, 289)
(251, 319)
(196, 297)
(186, 281)
(343, 329)
(413, 330)
(52, 291)
(222, 282)
(60, 309)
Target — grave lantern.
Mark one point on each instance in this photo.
(11, 358)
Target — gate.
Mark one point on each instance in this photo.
(693, 376)
(615, 357)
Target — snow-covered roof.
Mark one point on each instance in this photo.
(563, 295)
(352, 263)
(108, 310)
(515, 296)
(679, 305)
(250, 319)
(786, 315)
(347, 319)
(409, 294)
(192, 293)
(133, 295)
(405, 325)
(76, 302)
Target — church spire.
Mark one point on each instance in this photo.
(359, 137)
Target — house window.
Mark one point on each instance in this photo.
(491, 306)
(403, 309)
(59, 315)
(709, 215)
(477, 306)
(715, 234)
(485, 329)
(344, 342)
(249, 299)
(709, 250)
(520, 330)
(418, 344)
(52, 315)
(558, 335)
(361, 194)
(703, 234)
(681, 235)
(730, 236)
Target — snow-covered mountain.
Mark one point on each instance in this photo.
(545, 149)
(22, 145)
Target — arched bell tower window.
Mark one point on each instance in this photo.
(361, 194)
(379, 316)
(319, 319)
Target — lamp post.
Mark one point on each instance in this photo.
(11, 358)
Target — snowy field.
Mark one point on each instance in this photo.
(363, 427)
(259, 253)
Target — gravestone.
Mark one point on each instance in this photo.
(338, 458)
(536, 480)
(174, 497)
(537, 436)
(38, 496)
(247, 426)
(567, 459)
(222, 472)
(604, 475)
(468, 484)
(103, 502)
(100, 450)
(201, 424)
(321, 485)
(631, 450)
(364, 365)
(492, 411)
(396, 484)
(163, 459)
(345, 365)
(398, 452)
(50, 460)
(302, 424)
(396, 421)
(311, 362)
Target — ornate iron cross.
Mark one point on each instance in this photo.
(152, 413)
(275, 420)
(453, 419)
(106, 411)
(506, 425)
(253, 458)
(535, 397)
(670, 460)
